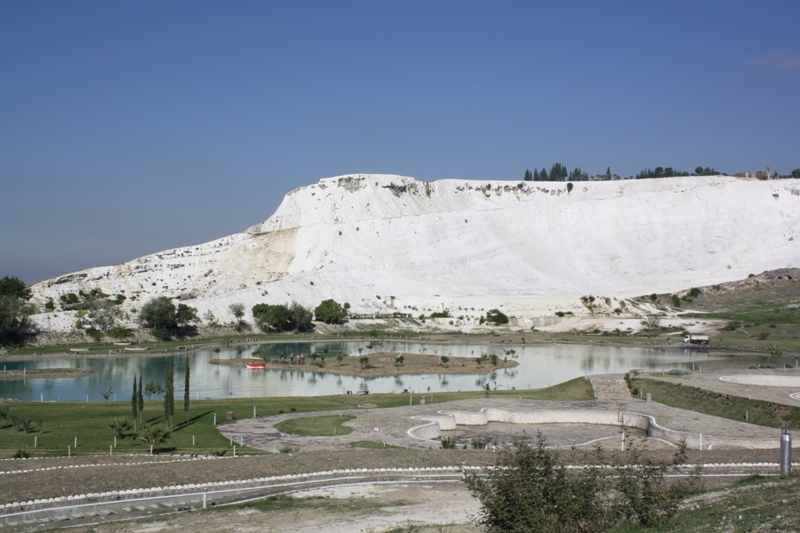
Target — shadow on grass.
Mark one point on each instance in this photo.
(191, 421)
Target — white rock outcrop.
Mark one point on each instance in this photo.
(389, 243)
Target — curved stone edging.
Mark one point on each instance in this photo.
(263, 482)
(449, 420)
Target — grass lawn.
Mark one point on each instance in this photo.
(723, 405)
(754, 504)
(316, 426)
(62, 422)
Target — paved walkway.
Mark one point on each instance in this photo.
(391, 425)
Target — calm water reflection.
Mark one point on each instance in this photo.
(539, 366)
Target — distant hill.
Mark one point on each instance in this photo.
(388, 244)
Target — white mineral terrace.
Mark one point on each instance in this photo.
(390, 244)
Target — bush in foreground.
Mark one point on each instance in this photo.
(530, 489)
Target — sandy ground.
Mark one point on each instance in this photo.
(443, 507)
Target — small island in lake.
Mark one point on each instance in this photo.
(381, 364)
(41, 373)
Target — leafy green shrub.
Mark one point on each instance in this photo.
(50, 305)
(441, 314)
(273, 317)
(448, 443)
(94, 333)
(330, 312)
(288, 449)
(531, 489)
(653, 297)
(21, 454)
(120, 333)
(676, 302)
(695, 292)
(495, 316)
(762, 335)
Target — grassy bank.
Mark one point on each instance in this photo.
(754, 504)
(722, 405)
(62, 422)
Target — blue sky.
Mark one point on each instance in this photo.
(127, 128)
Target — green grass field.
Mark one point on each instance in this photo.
(723, 405)
(62, 422)
(316, 426)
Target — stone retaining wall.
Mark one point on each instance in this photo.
(449, 420)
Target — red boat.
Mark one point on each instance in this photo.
(255, 366)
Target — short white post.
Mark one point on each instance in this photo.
(254, 411)
(151, 449)
(111, 449)
(35, 441)
(623, 440)
(241, 440)
(205, 499)
(701, 441)
(76, 442)
(69, 451)
(215, 419)
(411, 400)
(192, 440)
(87, 398)
(234, 450)
(41, 398)
(115, 441)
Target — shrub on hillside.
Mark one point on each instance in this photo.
(330, 312)
(495, 316)
(273, 317)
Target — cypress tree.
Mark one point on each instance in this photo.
(140, 398)
(134, 402)
(169, 396)
(186, 391)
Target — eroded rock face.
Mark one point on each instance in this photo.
(391, 244)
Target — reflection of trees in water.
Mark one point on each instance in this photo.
(444, 381)
(588, 363)
(510, 373)
(313, 379)
(338, 380)
(283, 375)
(398, 381)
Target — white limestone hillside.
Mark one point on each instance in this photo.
(388, 243)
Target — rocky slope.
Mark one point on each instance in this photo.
(390, 244)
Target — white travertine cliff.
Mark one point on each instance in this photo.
(388, 243)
